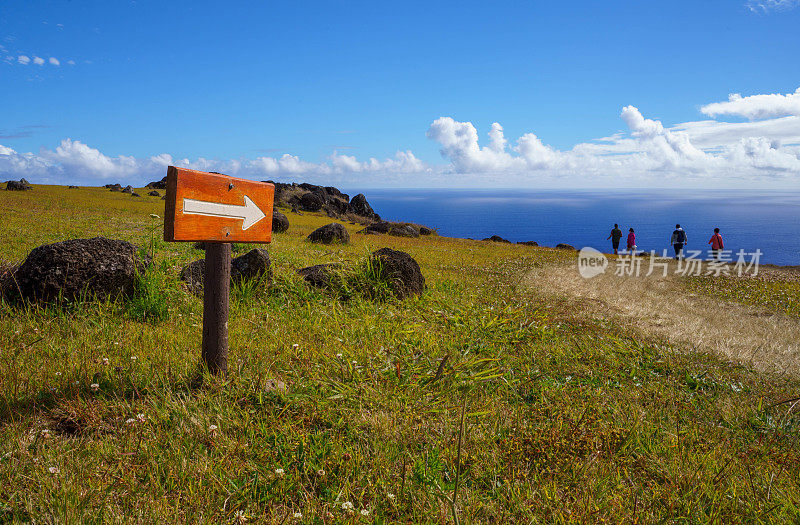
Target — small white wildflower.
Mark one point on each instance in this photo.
(134, 358)
(95, 387)
(58, 373)
(298, 515)
(390, 496)
(364, 512)
(140, 417)
(54, 470)
(321, 473)
(240, 516)
(347, 505)
(45, 434)
(295, 346)
(212, 428)
(279, 472)
(105, 361)
(130, 421)
(339, 356)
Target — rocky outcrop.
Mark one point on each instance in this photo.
(401, 270)
(318, 275)
(424, 230)
(528, 243)
(330, 233)
(80, 268)
(280, 223)
(496, 238)
(18, 185)
(359, 206)
(114, 187)
(311, 202)
(157, 184)
(134, 194)
(128, 189)
(154, 193)
(564, 246)
(397, 229)
(255, 264)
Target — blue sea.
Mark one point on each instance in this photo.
(768, 221)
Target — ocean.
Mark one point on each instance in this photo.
(767, 221)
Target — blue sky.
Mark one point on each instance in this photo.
(334, 84)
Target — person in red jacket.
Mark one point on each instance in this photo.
(716, 243)
(631, 241)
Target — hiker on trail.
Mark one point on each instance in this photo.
(716, 243)
(631, 241)
(678, 241)
(615, 236)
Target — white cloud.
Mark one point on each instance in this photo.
(763, 6)
(756, 106)
(24, 60)
(54, 61)
(71, 62)
(712, 152)
(38, 61)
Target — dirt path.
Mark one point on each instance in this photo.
(663, 306)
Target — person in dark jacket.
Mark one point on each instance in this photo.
(678, 241)
(615, 236)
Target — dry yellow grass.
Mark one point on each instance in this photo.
(665, 307)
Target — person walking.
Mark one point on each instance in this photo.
(631, 241)
(716, 244)
(615, 236)
(678, 241)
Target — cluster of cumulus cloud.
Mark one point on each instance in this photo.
(762, 143)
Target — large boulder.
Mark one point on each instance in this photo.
(402, 271)
(134, 194)
(114, 187)
(158, 184)
(311, 201)
(390, 228)
(280, 223)
(18, 185)
(330, 233)
(154, 193)
(564, 246)
(91, 268)
(424, 230)
(255, 264)
(359, 206)
(496, 238)
(72, 187)
(318, 275)
(128, 189)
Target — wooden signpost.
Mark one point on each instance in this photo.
(217, 210)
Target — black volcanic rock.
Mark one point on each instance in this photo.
(564, 246)
(79, 268)
(496, 238)
(330, 233)
(402, 271)
(18, 185)
(280, 223)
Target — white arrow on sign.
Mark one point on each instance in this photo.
(250, 212)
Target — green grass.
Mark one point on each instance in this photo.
(777, 295)
(566, 419)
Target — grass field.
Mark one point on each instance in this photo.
(487, 399)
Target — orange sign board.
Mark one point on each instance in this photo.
(211, 207)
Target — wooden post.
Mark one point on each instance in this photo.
(216, 295)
